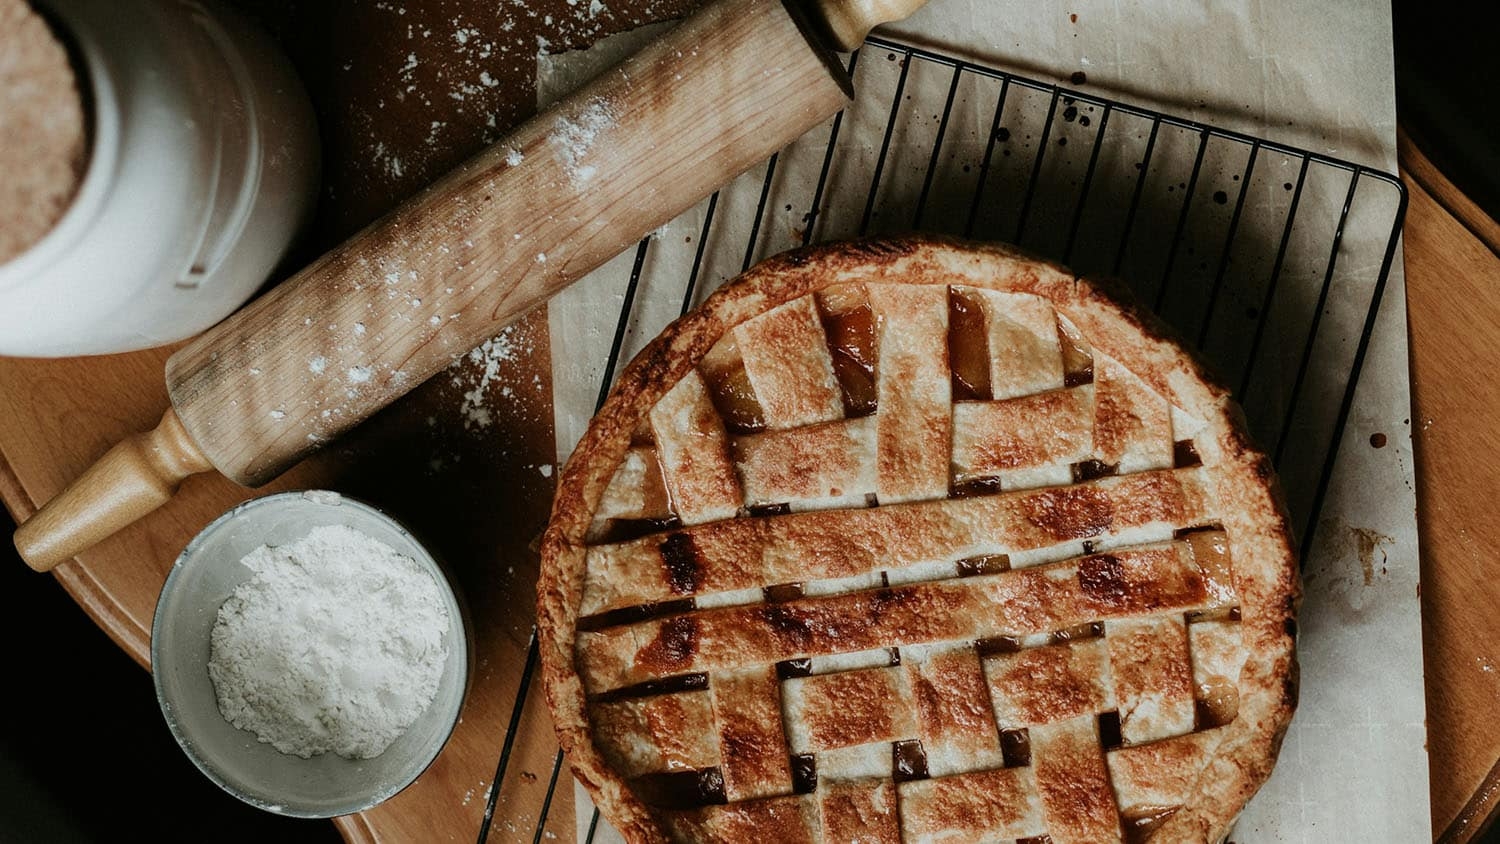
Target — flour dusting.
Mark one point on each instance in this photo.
(574, 136)
(336, 643)
(491, 354)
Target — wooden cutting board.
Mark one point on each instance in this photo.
(406, 90)
(1453, 296)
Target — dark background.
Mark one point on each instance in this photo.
(85, 754)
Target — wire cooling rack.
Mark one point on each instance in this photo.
(1271, 260)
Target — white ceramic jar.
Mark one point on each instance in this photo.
(203, 165)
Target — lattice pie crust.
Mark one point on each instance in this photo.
(918, 540)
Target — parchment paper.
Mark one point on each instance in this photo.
(1310, 73)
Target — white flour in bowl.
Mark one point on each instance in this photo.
(336, 644)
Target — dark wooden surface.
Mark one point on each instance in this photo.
(405, 90)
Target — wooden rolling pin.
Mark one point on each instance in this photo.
(446, 270)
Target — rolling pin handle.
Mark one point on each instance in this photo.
(135, 477)
(848, 21)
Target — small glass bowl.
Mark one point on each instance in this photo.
(204, 575)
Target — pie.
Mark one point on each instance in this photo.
(918, 540)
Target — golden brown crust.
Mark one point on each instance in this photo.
(1234, 485)
(742, 553)
(954, 723)
(994, 804)
(1153, 677)
(829, 462)
(996, 438)
(787, 361)
(860, 812)
(1078, 802)
(1036, 686)
(848, 708)
(752, 740)
(665, 732)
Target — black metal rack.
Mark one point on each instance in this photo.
(1271, 259)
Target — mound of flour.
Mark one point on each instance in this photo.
(336, 643)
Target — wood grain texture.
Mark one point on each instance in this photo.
(849, 21)
(465, 459)
(1453, 293)
(476, 492)
(501, 233)
(139, 474)
(55, 426)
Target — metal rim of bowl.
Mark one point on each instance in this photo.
(444, 582)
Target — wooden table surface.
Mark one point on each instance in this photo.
(405, 91)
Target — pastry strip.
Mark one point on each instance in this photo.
(914, 395)
(815, 467)
(862, 811)
(1006, 438)
(977, 806)
(790, 368)
(1139, 581)
(954, 719)
(750, 553)
(752, 743)
(694, 453)
(1025, 357)
(1153, 678)
(1049, 683)
(849, 708)
(1132, 424)
(656, 734)
(1078, 803)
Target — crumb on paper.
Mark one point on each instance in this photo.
(1367, 542)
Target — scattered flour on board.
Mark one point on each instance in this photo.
(455, 66)
(499, 349)
(335, 643)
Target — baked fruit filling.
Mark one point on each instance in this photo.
(916, 558)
